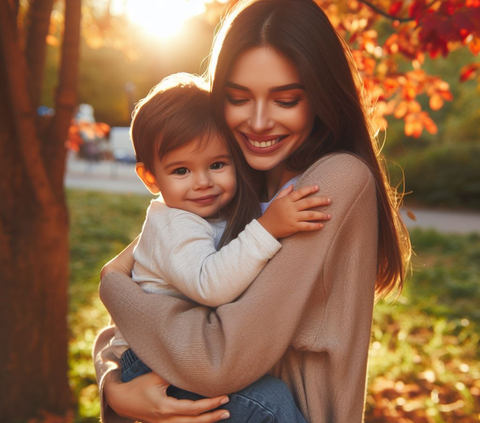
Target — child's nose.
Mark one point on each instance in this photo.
(203, 181)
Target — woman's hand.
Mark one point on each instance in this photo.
(123, 263)
(145, 399)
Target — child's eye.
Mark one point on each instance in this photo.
(181, 171)
(217, 165)
(236, 101)
(287, 104)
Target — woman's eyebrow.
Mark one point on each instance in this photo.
(293, 86)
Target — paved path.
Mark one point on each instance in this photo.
(443, 221)
(103, 176)
(117, 177)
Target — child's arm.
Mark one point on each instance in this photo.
(291, 212)
(185, 255)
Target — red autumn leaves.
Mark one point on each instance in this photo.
(417, 28)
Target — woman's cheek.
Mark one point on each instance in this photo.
(230, 116)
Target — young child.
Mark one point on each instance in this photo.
(208, 203)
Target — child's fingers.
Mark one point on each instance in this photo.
(284, 192)
(309, 226)
(303, 192)
(312, 215)
(312, 202)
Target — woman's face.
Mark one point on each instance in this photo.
(267, 108)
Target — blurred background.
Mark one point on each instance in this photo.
(71, 72)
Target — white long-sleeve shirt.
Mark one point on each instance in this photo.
(177, 255)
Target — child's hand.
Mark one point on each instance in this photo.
(284, 192)
(291, 212)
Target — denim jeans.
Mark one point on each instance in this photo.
(268, 400)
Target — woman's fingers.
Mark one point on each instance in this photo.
(145, 399)
(214, 416)
(192, 408)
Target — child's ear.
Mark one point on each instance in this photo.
(147, 178)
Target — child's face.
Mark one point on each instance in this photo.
(198, 180)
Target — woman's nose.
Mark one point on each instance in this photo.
(260, 119)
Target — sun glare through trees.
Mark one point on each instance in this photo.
(163, 18)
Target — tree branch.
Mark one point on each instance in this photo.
(39, 22)
(24, 115)
(383, 13)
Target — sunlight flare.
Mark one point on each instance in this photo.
(164, 18)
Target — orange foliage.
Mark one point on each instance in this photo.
(420, 27)
(469, 71)
(420, 402)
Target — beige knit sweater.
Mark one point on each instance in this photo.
(306, 318)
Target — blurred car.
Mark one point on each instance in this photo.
(121, 145)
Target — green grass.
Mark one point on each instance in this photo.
(101, 225)
(424, 365)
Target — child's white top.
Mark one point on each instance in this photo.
(176, 255)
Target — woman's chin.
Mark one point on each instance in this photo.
(262, 164)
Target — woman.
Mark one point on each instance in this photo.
(286, 91)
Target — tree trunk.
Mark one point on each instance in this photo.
(33, 234)
(36, 46)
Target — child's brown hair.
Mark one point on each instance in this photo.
(176, 112)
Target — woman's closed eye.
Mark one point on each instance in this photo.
(287, 103)
(236, 101)
(180, 171)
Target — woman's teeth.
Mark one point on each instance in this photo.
(263, 144)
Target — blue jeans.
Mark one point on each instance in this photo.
(268, 400)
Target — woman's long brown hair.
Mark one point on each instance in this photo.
(301, 31)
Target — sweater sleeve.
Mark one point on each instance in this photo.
(184, 254)
(221, 351)
(106, 363)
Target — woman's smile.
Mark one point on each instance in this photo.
(263, 144)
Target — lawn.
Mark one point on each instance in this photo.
(424, 364)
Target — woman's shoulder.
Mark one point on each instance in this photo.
(341, 169)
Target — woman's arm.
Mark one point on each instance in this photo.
(212, 352)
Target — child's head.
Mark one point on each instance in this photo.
(180, 153)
